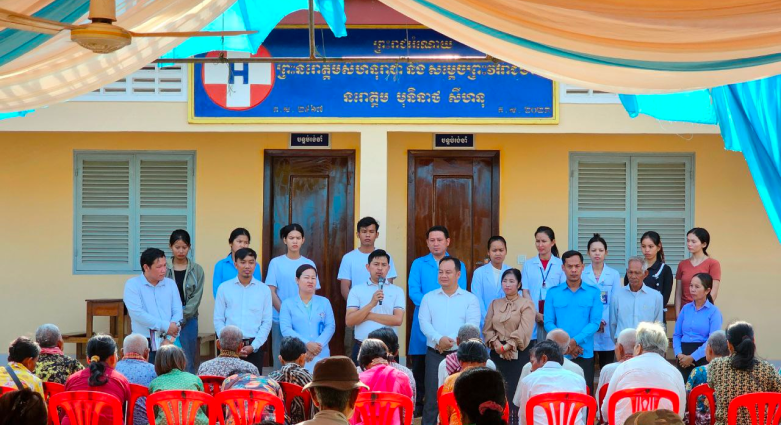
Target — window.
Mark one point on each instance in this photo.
(623, 196)
(152, 83)
(574, 94)
(127, 202)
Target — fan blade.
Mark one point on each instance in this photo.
(19, 21)
(192, 34)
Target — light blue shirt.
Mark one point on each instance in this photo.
(608, 285)
(696, 325)
(533, 276)
(282, 275)
(152, 307)
(353, 267)
(225, 270)
(487, 287)
(629, 308)
(246, 307)
(318, 325)
(577, 313)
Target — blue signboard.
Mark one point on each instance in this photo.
(340, 92)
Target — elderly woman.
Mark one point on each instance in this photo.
(470, 354)
(378, 374)
(22, 357)
(716, 347)
(170, 366)
(53, 365)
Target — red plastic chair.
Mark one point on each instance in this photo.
(136, 392)
(562, 406)
(5, 390)
(702, 390)
(292, 391)
(52, 388)
(179, 406)
(84, 407)
(379, 408)
(449, 400)
(212, 384)
(602, 394)
(763, 408)
(246, 407)
(642, 400)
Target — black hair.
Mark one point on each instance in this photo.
(371, 349)
(570, 254)
(455, 261)
(437, 228)
(549, 349)
(516, 273)
(741, 336)
(179, 235)
(149, 256)
(388, 336)
(244, 253)
(472, 351)
(552, 236)
(23, 407)
(493, 239)
(304, 267)
(703, 236)
(656, 240)
(102, 347)
(291, 348)
(378, 253)
(707, 283)
(366, 222)
(23, 348)
(479, 385)
(283, 232)
(594, 239)
(239, 231)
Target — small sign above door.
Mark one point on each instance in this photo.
(454, 141)
(310, 141)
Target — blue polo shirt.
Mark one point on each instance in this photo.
(225, 270)
(578, 313)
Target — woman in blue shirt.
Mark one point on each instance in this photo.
(225, 269)
(607, 280)
(486, 279)
(540, 274)
(308, 317)
(698, 319)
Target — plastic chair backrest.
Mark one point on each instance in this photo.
(180, 407)
(642, 400)
(446, 403)
(212, 384)
(702, 390)
(763, 408)
(379, 408)
(84, 407)
(563, 407)
(246, 407)
(601, 395)
(52, 388)
(5, 390)
(136, 392)
(292, 391)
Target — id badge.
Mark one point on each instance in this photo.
(603, 295)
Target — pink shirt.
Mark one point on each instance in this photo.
(386, 379)
(117, 385)
(686, 272)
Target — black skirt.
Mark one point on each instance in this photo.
(511, 370)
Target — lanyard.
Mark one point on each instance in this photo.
(545, 275)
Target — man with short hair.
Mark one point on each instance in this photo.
(577, 309)
(153, 302)
(451, 364)
(53, 365)
(562, 340)
(245, 302)
(549, 377)
(442, 313)
(375, 303)
(625, 350)
(647, 369)
(230, 344)
(635, 302)
(292, 355)
(335, 386)
(137, 369)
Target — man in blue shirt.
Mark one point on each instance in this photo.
(577, 309)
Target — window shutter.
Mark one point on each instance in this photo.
(164, 201)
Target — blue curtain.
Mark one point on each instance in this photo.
(692, 106)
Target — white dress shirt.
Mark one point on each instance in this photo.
(550, 378)
(247, 307)
(152, 308)
(605, 374)
(568, 365)
(629, 308)
(443, 315)
(362, 294)
(442, 371)
(649, 370)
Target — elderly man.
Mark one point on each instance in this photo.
(647, 369)
(53, 365)
(334, 388)
(549, 377)
(562, 339)
(229, 361)
(625, 350)
(451, 364)
(635, 302)
(137, 369)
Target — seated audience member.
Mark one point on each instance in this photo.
(740, 373)
(229, 361)
(549, 376)
(625, 350)
(697, 320)
(451, 364)
(170, 366)
(22, 356)
(292, 356)
(100, 376)
(560, 337)
(334, 388)
(53, 365)
(655, 417)
(471, 354)
(137, 369)
(647, 369)
(480, 397)
(378, 375)
(716, 347)
(23, 407)
(248, 381)
(391, 340)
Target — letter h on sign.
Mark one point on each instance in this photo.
(241, 77)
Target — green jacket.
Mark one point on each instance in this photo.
(193, 287)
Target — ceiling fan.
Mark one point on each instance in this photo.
(100, 35)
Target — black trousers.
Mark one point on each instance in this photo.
(430, 408)
(355, 350)
(255, 358)
(419, 373)
(588, 371)
(604, 358)
(688, 348)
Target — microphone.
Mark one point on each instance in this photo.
(381, 281)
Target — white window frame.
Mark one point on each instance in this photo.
(152, 77)
(569, 93)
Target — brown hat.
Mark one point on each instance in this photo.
(654, 417)
(337, 372)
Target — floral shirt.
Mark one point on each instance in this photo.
(56, 368)
(178, 380)
(139, 372)
(25, 376)
(699, 376)
(248, 381)
(294, 374)
(226, 365)
(728, 383)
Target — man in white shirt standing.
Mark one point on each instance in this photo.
(635, 302)
(442, 313)
(375, 303)
(560, 337)
(647, 369)
(549, 376)
(625, 350)
(153, 302)
(245, 302)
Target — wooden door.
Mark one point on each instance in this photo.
(456, 189)
(315, 189)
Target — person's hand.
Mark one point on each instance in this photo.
(173, 329)
(540, 318)
(313, 348)
(246, 351)
(686, 361)
(445, 344)
(602, 326)
(573, 346)
(309, 357)
(377, 297)
(497, 346)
